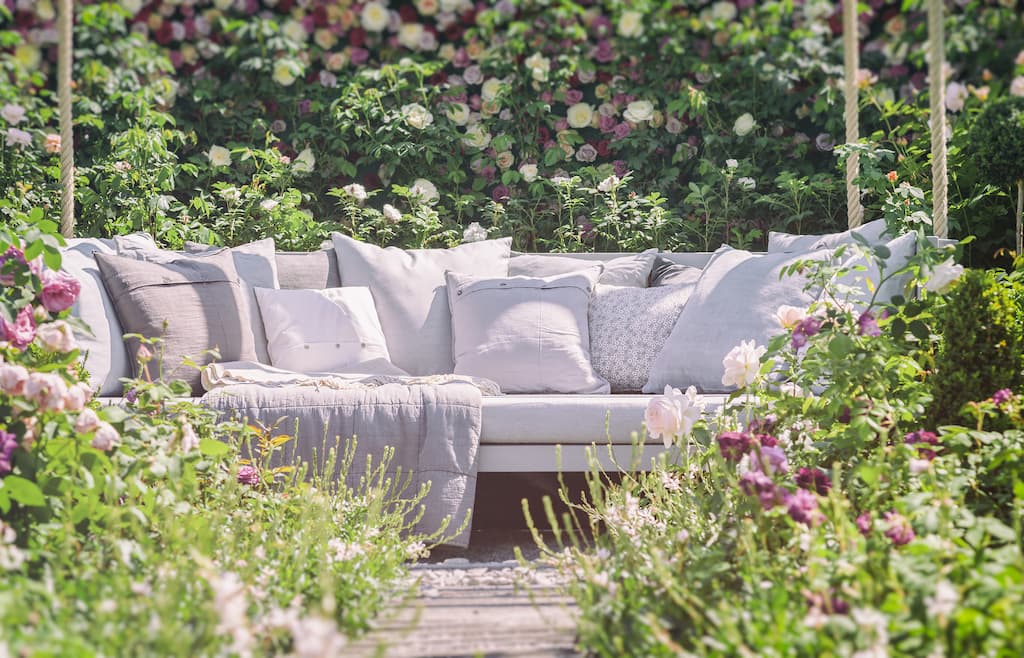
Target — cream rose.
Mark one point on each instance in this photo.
(219, 156)
(528, 172)
(424, 190)
(374, 17)
(410, 35)
(631, 24)
(284, 73)
(744, 124)
(580, 115)
(417, 116)
(458, 113)
(790, 316)
(477, 137)
(490, 89)
(639, 111)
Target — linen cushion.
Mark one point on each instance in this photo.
(310, 270)
(200, 300)
(666, 273)
(254, 262)
(330, 330)
(735, 299)
(901, 250)
(628, 327)
(408, 288)
(530, 335)
(103, 349)
(632, 270)
(789, 242)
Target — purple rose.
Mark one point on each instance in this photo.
(756, 483)
(622, 131)
(927, 443)
(898, 530)
(771, 459)
(60, 290)
(809, 326)
(813, 479)
(22, 331)
(802, 507)
(867, 325)
(573, 96)
(864, 523)
(604, 52)
(8, 442)
(733, 445)
(248, 475)
(500, 193)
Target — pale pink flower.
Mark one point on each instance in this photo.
(13, 378)
(77, 395)
(47, 390)
(56, 336)
(106, 437)
(86, 421)
(60, 290)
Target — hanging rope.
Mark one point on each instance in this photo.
(937, 96)
(851, 58)
(67, 138)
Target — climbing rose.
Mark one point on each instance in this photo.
(22, 331)
(60, 290)
(12, 378)
(56, 336)
(86, 421)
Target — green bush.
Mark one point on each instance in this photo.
(982, 349)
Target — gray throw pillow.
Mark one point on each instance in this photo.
(628, 328)
(530, 335)
(307, 270)
(632, 270)
(200, 300)
(735, 299)
(788, 242)
(666, 273)
(408, 288)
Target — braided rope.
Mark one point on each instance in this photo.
(67, 138)
(851, 59)
(937, 96)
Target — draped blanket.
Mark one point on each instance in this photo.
(432, 423)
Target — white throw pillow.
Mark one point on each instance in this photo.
(735, 299)
(530, 335)
(408, 288)
(788, 242)
(632, 270)
(331, 330)
(628, 328)
(901, 251)
(104, 351)
(255, 263)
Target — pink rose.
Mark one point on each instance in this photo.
(106, 437)
(56, 336)
(22, 331)
(87, 421)
(77, 396)
(60, 290)
(47, 390)
(12, 378)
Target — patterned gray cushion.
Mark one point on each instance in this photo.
(628, 327)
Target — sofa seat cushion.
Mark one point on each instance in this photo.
(568, 419)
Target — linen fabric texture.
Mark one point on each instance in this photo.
(309, 270)
(735, 299)
(530, 335)
(103, 349)
(333, 330)
(200, 300)
(629, 327)
(633, 270)
(408, 288)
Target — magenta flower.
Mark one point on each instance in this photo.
(756, 483)
(771, 459)
(898, 530)
(809, 326)
(927, 443)
(867, 325)
(733, 445)
(802, 507)
(1001, 397)
(60, 290)
(8, 442)
(864, 523)
(813, 479)
(573, 96)
(22, 331)
(622, 131)
(248, 475)
(500, 193)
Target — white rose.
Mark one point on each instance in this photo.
(608, 184)
(391, 213)
(268, 204)
(219, 156)
(746, 183)
(474, 233)
(639, 111)
(742, 364)
(956, 94)
(417, 116)
(293, 30)
(672, 414)
(631, 24)
(477, 137)
(356, 191)
(943, 276)
(410, 35)
(528, 172)
(723, 11)
(424, 190)
(374, 17)
(731, 163)
(284, 72)
(13, 113)
(790, 316)
(744, 124)
(56, 336)
(490, 89)
(458, 113)
(539, 66)
(580, 115)
(304, 162)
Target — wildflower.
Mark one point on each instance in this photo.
(474, 233)
(56, 336)
(13, 113)
(802, 507)
(60, 290)
(809, 326)
(813, 479)
(106, 437)
(734, 445)
(744, 124)
(1001, 397)
(391, 213)
(51, 143)
(943, 276)
(864, 523)
(22, 331)
(927, 443)
(248, 475)
(742, 364)
(8, 442)
(898, 529)
(356, 191)
(867, 325)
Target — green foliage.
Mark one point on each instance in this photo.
(997, 141)
(982, 347)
